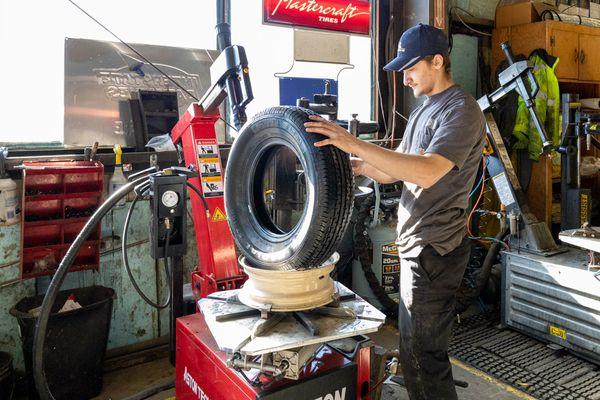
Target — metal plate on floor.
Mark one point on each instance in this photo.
(235, 335)
(534, 367)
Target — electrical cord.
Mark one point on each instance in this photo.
(148, 61)
(464, 23)
(481, 180)
(482, 183)
(128, 269)
(41, 326)
(478, 200)
(385, 125)
(134, 50)
(199, 193)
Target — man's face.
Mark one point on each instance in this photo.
(421, 77)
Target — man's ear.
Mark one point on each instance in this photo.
(438, 61)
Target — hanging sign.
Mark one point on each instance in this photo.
(439, 17)
(351, 16)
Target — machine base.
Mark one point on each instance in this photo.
(202, 372)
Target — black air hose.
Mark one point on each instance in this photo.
(199, 193)
(128, 269)
(483, 276)
(364, 249)
(41, 325)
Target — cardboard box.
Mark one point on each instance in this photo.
(574, 10)
(509, 13)
(595, 10)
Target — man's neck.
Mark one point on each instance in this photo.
(441, 85)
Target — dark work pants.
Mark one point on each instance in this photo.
(428, 285)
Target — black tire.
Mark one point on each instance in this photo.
(328, 204)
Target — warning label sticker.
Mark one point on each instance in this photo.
(390, 268)
(209, 166)
(212, 186)
(558, 332)
(207, 149)
(218, 215)
(503, 189)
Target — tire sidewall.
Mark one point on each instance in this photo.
(260, 245)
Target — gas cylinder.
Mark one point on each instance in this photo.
(386, 263)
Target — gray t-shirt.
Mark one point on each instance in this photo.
(452, 125)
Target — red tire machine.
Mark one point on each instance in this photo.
(229, 350)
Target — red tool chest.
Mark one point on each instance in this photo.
(58, 199)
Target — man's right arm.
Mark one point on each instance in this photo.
(359, 167)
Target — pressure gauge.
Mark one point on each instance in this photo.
(170, 198)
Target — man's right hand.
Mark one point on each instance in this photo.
(358, 166)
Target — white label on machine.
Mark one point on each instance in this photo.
(207, 149)
(209, 166)
(503, 189)
(212, 186)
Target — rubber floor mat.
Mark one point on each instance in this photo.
(525, 363)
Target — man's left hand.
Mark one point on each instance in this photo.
(336, 135)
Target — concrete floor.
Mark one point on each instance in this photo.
(127, 382)
(124, 383)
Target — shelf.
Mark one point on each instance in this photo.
(43, 197)
(61, 221)
(74, 268)
(77, 187)
(63, 246)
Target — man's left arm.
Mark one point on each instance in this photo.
(460, 128)
(423, 170)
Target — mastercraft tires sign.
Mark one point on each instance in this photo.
(352, 16)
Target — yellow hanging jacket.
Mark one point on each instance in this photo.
(547, 104)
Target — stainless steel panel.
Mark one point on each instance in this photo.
(555, 299)
(99, 75)
(288, 333)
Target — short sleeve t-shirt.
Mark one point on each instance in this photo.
(452, 125)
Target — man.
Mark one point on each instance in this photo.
(437, 160)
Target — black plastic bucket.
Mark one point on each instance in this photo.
(7, 376)
(75, 342)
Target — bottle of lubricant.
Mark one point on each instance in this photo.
(118, 178)
(9, 199)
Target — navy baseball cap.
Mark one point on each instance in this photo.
(416, 43)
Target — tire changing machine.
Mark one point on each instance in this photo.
(549, 292)
(243, 344)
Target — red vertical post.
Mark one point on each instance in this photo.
(363, 380)
(218, 269)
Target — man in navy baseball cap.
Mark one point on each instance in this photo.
(417, 43)
(423, 59)
(437, 161)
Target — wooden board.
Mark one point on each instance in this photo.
(589, 57)
(564, 45)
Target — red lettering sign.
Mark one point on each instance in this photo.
(352, 16)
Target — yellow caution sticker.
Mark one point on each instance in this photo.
(558, 332)
(218, 215)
